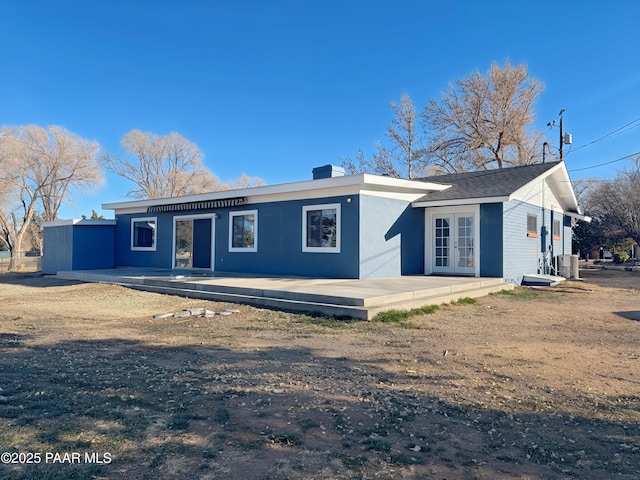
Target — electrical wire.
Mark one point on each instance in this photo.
(606, 92)
(605, 163)
(618, 131)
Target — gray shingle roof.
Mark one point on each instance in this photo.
(484, 183)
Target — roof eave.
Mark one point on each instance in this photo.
(577, 216)
(358, 182)
(559, 182)
(458, 201)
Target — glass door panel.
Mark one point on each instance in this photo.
(464, 244)
(453, 243)
(442, 242)
(184, 244)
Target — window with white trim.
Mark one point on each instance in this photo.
(243, 231)
(321, 228)
(143, 233)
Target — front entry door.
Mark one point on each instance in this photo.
(453, 243)
(193, 241)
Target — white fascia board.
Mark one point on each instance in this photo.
(557, 179)
(400, 184)
(459, 201)
(357, 182)
(78, 221)
(577, 216)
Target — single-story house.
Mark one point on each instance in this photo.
(492, 223)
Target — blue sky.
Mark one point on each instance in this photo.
(276, 88)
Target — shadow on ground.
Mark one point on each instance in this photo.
(208, 412)
(34, 279)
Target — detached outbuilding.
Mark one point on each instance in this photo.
(494, 223)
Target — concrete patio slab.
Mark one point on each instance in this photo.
(359, 299)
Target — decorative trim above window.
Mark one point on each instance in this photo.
(243, 231)
(143, 234)
(321, 228)
(532, 226)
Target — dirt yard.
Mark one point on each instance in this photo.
(530, 384)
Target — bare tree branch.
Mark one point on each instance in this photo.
(484, 122)
(159, 167)
(40, 165)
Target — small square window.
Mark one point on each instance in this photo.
(243, 228)
(532, 225)
(321, 228)
(143, 234)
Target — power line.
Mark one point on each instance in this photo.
(605, 163)
(606, 92)
(609, 135)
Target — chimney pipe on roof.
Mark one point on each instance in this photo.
(327, 171)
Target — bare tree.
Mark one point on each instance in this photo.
(617, 202)
(58, 161)
(380, 164)
(40, 165)
(407, 147)
(246, 181)
(404, 158)
(162, 166)
(484, 122)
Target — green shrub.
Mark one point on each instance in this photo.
(620, 257)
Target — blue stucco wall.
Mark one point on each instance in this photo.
(279, 239)
(491, 244)
(391, 237)
(93, 247)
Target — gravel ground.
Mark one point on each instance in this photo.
(535, 384)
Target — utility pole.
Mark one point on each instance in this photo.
(561, 138)
(564, 138)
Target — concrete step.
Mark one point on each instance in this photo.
(323, 294)
(321, 308)
(439, 299)
(359, 299)
(297, 306)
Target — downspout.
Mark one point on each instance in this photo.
(543, 235)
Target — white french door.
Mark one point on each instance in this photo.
(453, 246)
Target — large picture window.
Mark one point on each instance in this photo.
(243, 229)
(143, 233)
(321, 228)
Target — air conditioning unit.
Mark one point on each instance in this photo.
(563, 265)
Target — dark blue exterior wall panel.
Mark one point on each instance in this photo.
(160, 258)
(93, 247)
(279, 240)
(202, 243)
(491, 235)
(413, 240)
